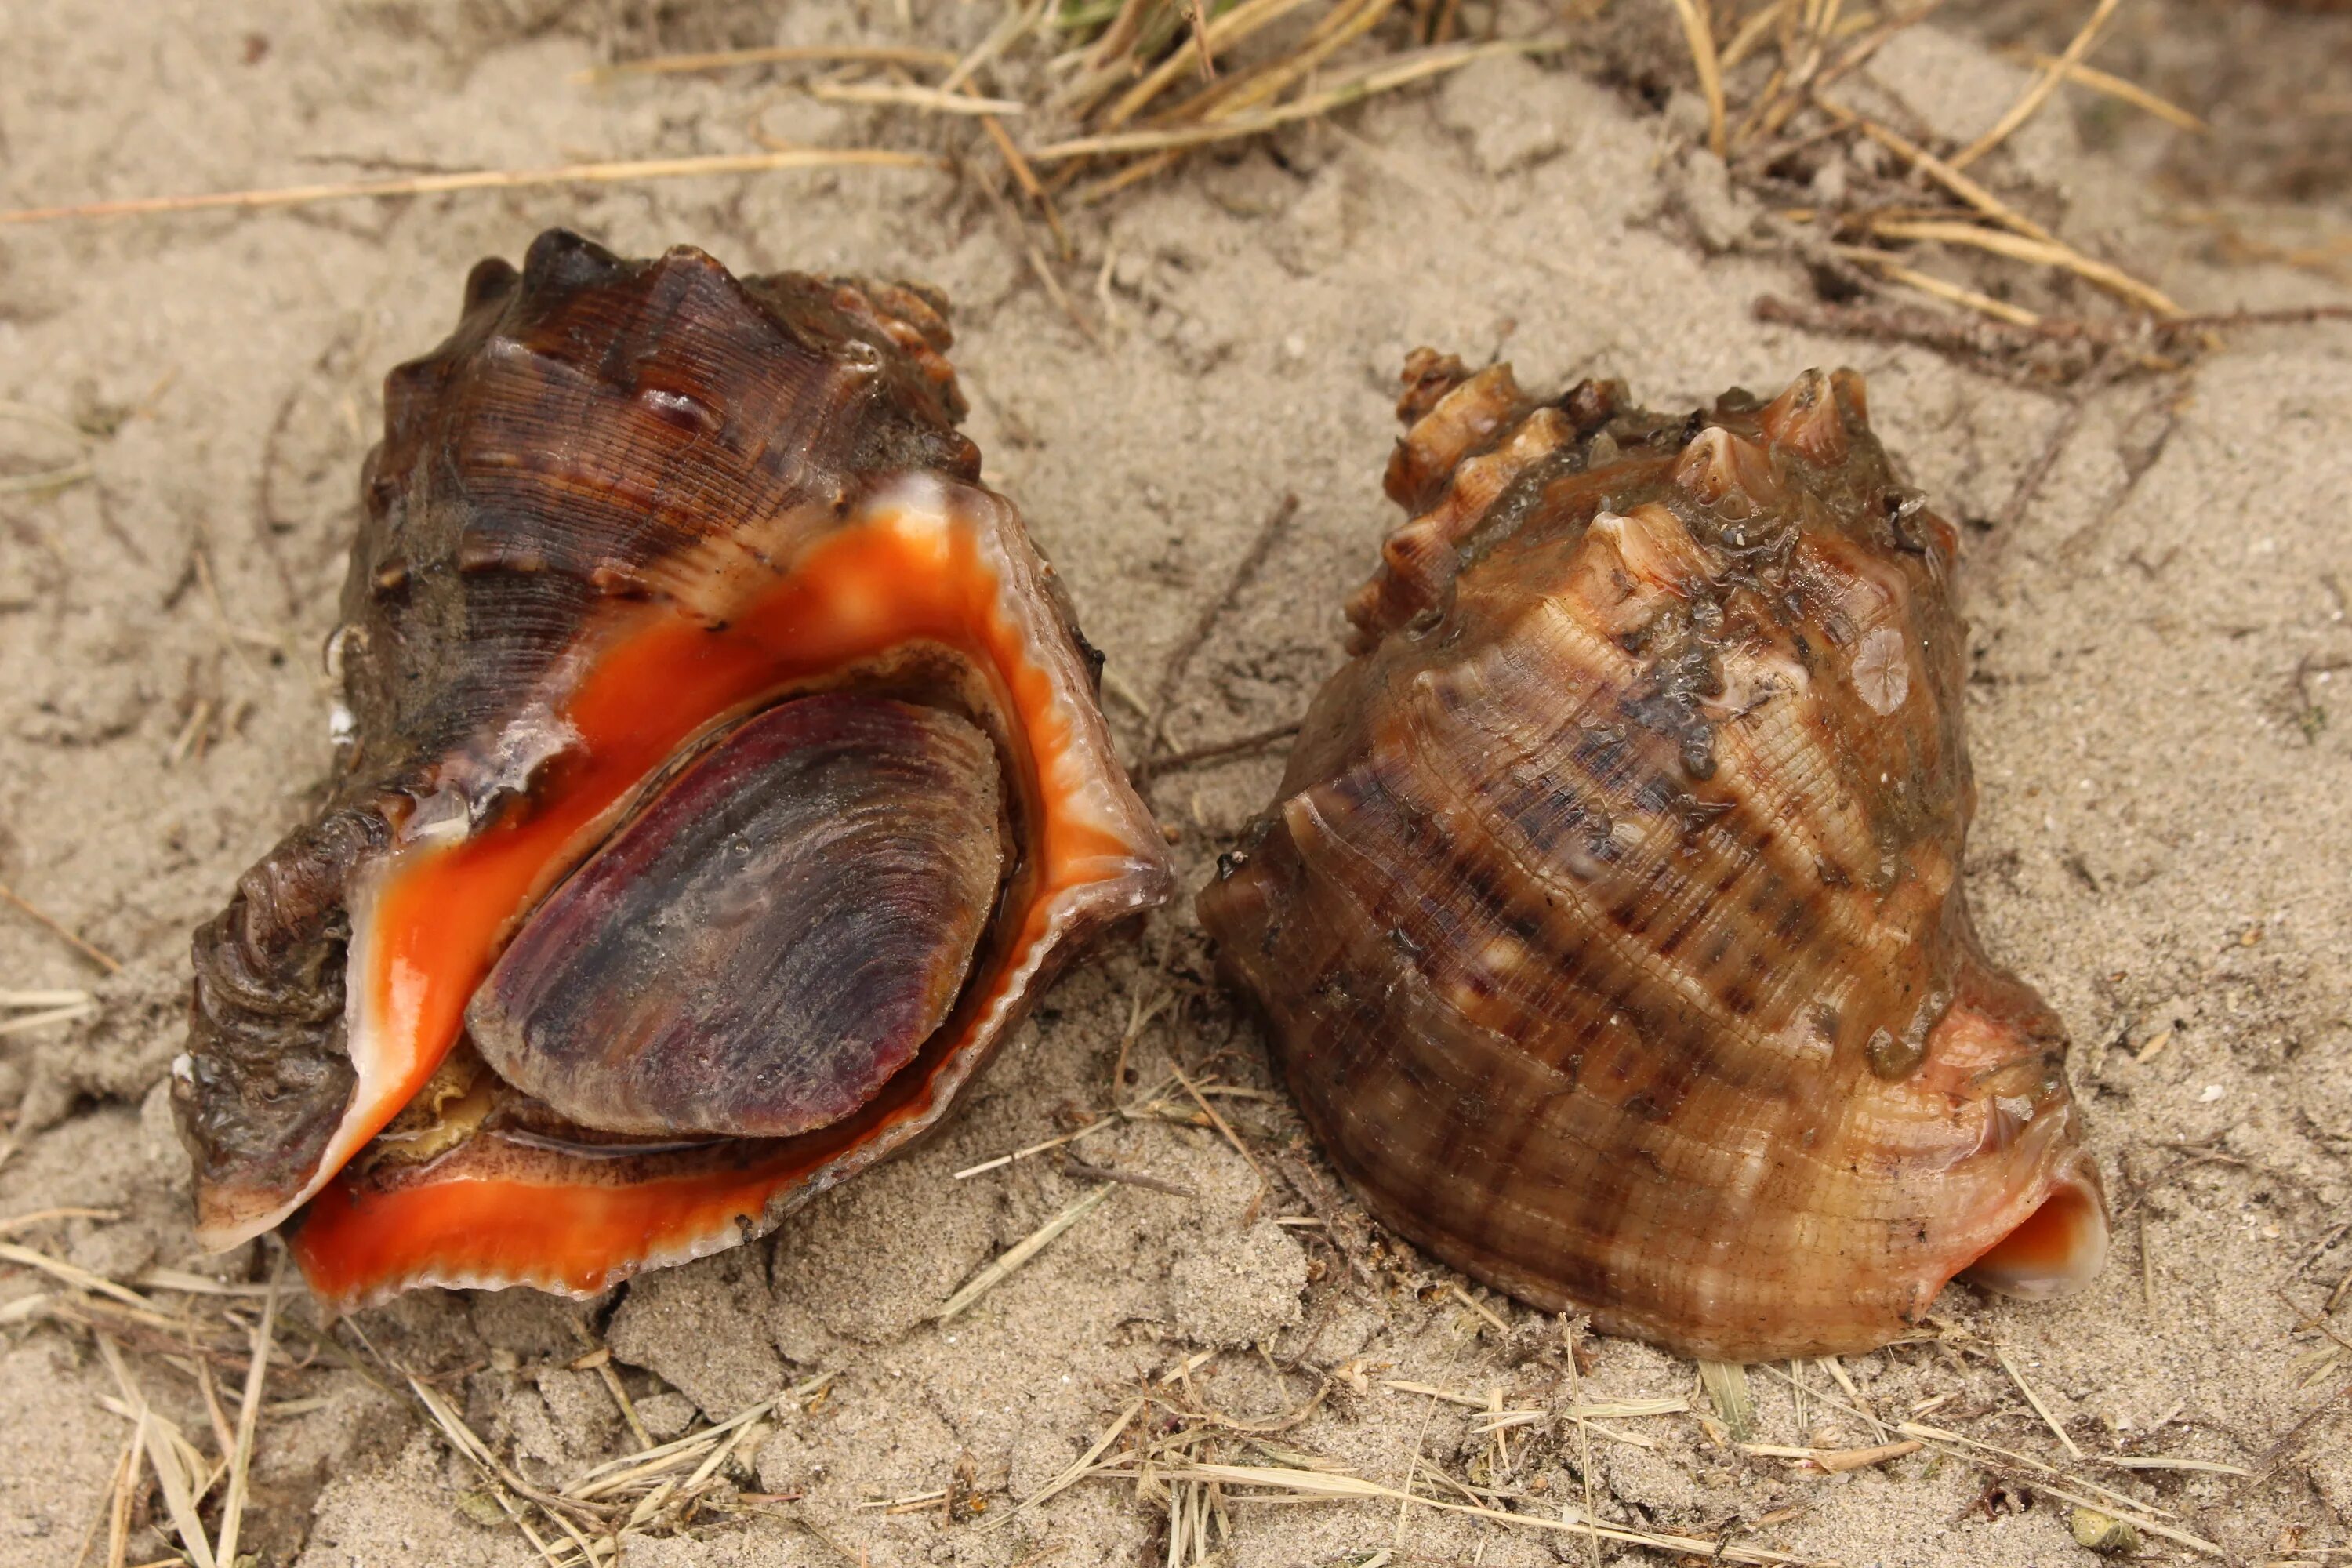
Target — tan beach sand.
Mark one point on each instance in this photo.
(2157, 578)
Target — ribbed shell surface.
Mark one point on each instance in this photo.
(1608, 923)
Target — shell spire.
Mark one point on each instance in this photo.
(1609, 925)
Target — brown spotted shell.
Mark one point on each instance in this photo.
(1609, 924)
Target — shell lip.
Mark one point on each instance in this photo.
(2058, 1247)
(485, 1216)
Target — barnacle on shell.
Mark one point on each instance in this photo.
(1609, 924)
(721, 781)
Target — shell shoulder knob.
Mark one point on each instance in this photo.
(1609, 925)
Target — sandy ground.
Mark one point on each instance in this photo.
(2165, 754)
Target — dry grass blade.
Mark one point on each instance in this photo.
(1221, 35)
(905, 95)
(633, 1470)
(1026, 178)
(1725, 1383)
(1499, 1420)
(265, 1340)
(1078, 1470)
(1085, 1173)
(1018, 19)
(794, 54)
(2001, 1353)
(1752, 32)
(2022, 247)
(1944, 174)
(115, 1514)
(72, 471)
(2126, 90)
(2138, 1462)
(1937, 288)
(1235, 98)
(1413, 68)
(79, 1278)
(50, 998)
(15, 1222)
(1701, 39)
(1626, 1409)
(1021, 1252)
(1288, 1484)
(2047, 1476)
(626, 1406)
(1583, 1436)
(179, 1468)
(104, 960)
(1835, 1460)
(1430, 1391)
(2115, 1503)
(189, 1284)
(1035, 1149)
(2043, 85)
(503, 1486)
(1836, 1368)
(1344, 24)
(1484, 1313)
(41, 1020)
(620, 172)
(1223, 1127)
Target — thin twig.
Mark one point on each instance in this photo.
(1021, 1252)
(1216, 751)
(792, 54)
(1180, 657)
(1085, 1173)
(97, 956)
(488, 180)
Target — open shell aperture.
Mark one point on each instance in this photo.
(721, 780)
(1609, 924)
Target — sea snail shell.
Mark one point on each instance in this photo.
(722, 781)
(1609, 924)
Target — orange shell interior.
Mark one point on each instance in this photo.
(443, 911)
(2056, 1250)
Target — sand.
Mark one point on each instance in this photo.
(2157, 582)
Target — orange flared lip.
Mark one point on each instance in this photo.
(916, 567)
(2058, 1247)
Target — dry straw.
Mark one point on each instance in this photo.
(1132, 88)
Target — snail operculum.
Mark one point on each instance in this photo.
(770, 938)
